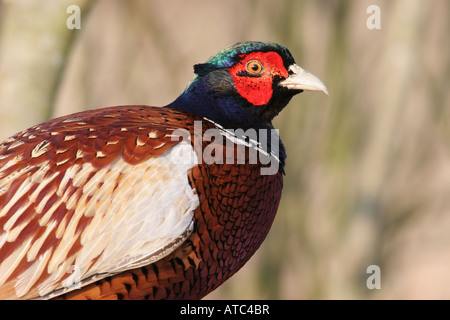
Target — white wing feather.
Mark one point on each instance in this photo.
(140, 213)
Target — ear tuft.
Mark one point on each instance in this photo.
(203, 68)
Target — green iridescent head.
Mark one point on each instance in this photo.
(247, 82)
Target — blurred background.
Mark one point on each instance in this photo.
(368, 169)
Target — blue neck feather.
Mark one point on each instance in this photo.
(222, 105)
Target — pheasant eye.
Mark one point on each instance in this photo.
(254, 67)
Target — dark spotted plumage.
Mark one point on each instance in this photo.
(139, 202)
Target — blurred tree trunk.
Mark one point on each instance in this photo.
(35, 43)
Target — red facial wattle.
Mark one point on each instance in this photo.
(257, 89)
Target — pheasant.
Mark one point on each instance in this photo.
(142, 202)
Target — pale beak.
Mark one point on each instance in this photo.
(301, 79)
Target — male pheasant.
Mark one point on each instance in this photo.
(140, 202)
